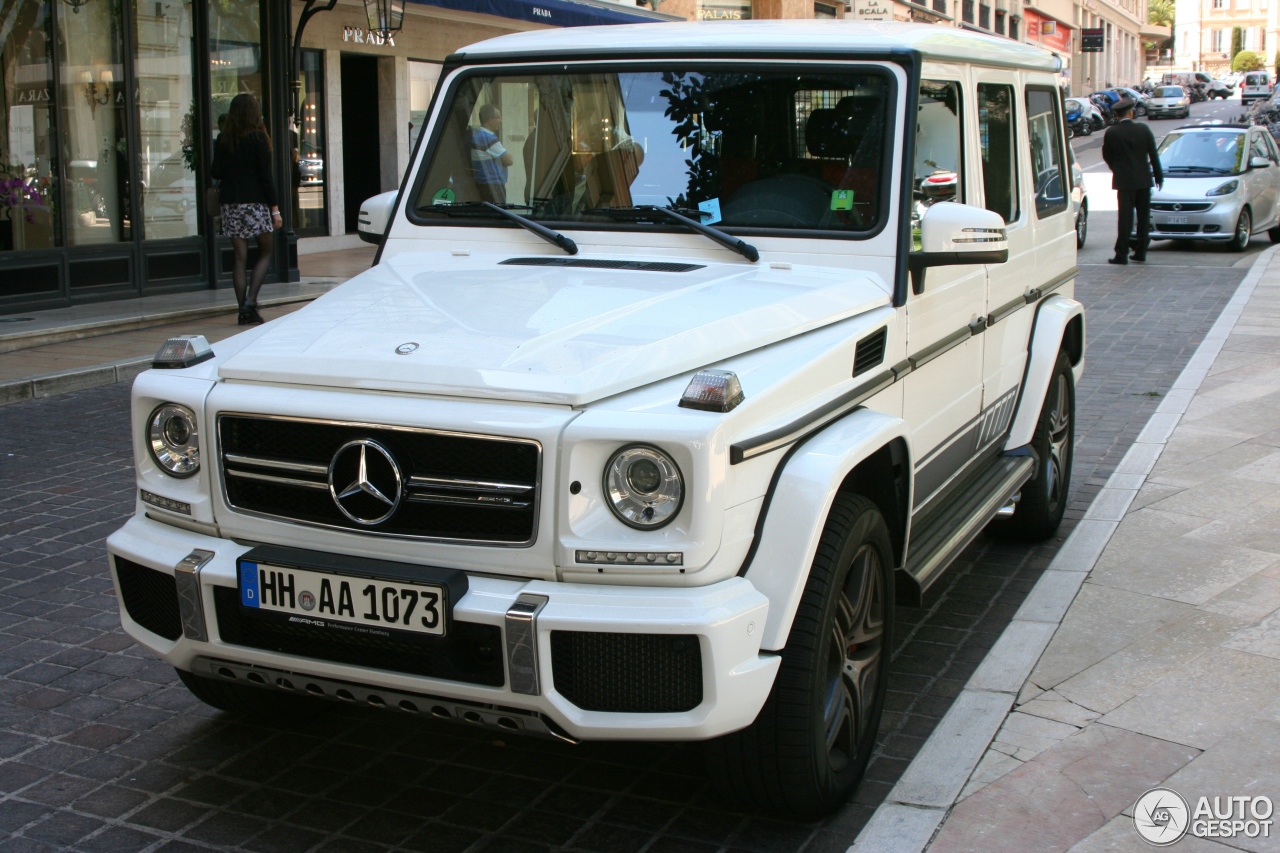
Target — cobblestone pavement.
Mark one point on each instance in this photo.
(101, 749)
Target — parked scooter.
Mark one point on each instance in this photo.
(1079, 122)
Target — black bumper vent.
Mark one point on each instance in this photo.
(150, 598)
(470, 653)
(636, 673)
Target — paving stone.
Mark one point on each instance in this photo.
(1119, 836)
(1201, 704)
(1087, 778)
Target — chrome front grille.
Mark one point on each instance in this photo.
(420, 483)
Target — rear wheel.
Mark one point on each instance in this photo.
(807, 750)
(1044, 497)
(1082, 225)
(243, 700)
(1274, 234)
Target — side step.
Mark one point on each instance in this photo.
(938, 542)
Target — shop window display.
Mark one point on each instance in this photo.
(28, 152)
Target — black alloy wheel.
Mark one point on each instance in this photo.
(808, 749)
(1043, 499)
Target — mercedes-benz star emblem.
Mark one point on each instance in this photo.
(1177, 207)
(365, 481)
(405, 349)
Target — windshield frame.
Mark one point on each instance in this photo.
(454, 83)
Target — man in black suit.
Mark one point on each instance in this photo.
(1130, 150)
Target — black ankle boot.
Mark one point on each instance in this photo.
(253, 318)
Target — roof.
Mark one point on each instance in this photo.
(790, 37)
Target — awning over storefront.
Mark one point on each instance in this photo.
(556, 13)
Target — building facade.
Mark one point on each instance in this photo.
(1203, 32)
(111, 108)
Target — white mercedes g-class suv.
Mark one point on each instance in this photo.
(688, 350)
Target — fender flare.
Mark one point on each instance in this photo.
(797, 507)
(1055, 316)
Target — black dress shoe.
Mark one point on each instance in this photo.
(1124, 262)
(1142, 259)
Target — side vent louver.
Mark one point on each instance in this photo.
(870, 351)
(640, 266)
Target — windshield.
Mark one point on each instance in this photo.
(1205, 152)
(1169, 92)
(730, 146)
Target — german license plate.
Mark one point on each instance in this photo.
(343, 601)
(1173, 220)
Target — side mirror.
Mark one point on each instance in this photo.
(1259, 163)
(375, 213)
(953, 234)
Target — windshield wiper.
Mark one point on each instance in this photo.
(555, 238)
(727, 240)
(1197, 169)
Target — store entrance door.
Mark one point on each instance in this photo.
(361, 151)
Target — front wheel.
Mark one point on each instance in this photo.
(1044, 497)
(1244, 228)
(807, 750)
(1082, 226)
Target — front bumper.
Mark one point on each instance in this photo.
(1167, 112)
(727, 620)
(1215, 224)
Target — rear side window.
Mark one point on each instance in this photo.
(1047, 164)
(999, 155)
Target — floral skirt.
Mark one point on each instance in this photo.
(245, 220)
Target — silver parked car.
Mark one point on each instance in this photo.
(1221, 183)
(1169, 102)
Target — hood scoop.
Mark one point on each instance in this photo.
(640, 266)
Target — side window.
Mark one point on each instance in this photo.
(1045, 130)
(999, 158)
(1258, 148)
(938, 145)
(1271, 146)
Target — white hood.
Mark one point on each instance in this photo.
(1180, 187)
(541, 334)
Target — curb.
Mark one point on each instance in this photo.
(14, 341)
(915, 808)
(75, 379)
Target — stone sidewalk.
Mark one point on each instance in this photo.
(83, 346)
(1165, 670)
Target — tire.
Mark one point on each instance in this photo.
(807, 750)
(1244, 229)
(1082, 226)
(1086, 128)
(243, 700)
(1044, 497)
(1274, 234)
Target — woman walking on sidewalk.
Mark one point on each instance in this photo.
(247, 195)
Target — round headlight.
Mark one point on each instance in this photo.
(174, 440)
(644, 487)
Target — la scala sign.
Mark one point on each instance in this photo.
(872, 10)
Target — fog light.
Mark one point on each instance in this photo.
(630, 558)
(1212, 229)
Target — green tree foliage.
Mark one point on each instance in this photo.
(1160, 13)
(1246, 60)
(1237, 42)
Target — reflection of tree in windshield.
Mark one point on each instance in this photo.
(687, 102)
